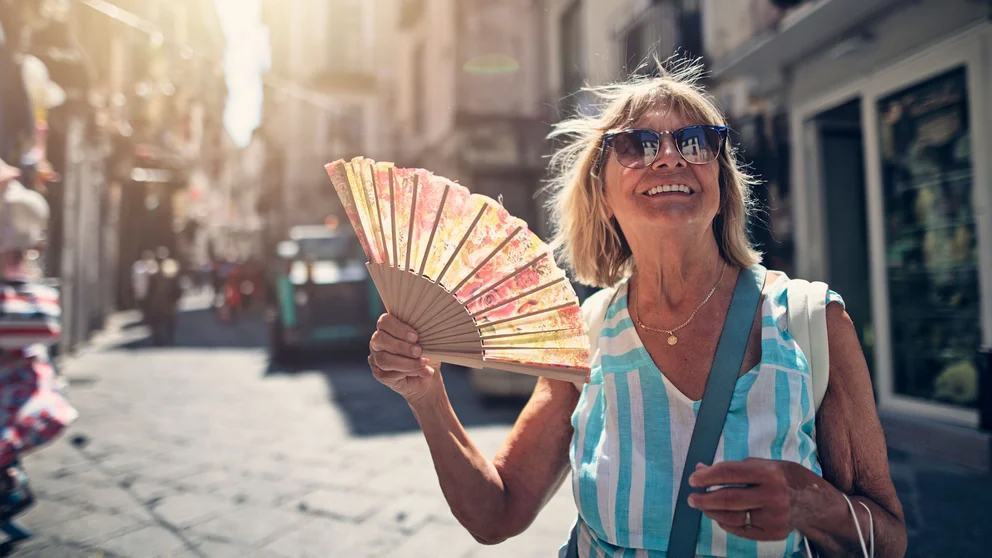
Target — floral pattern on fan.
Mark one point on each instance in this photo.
(501, 291)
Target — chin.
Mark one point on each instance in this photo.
(675, 215)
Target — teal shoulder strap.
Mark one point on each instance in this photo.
(716, 401)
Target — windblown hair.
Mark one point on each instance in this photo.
(587, 240)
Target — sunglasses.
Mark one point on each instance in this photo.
(638, 148)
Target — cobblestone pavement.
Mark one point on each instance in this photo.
(206, 450)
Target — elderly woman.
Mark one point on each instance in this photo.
(651, 203)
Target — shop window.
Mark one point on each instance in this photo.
(931, 243)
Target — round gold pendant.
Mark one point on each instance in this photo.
(673, 340)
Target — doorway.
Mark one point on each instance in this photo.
(846, 241)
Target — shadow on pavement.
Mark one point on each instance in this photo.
(369, 407)
(373, 409)
(200, 327)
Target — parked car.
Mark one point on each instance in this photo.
(322, 294)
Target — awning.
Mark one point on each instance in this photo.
(815, 27)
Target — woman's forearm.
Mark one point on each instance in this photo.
(470, 482)
(831, 529)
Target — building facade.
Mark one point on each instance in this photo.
(868, 125)
(885, 106)
(144, 95)
(469, 97)
(327, 96)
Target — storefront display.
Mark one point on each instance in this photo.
(931, 240)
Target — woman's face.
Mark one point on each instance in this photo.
(634, 195)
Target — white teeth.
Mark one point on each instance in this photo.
(669, 188)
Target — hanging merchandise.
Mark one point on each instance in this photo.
(44, 94)
(24, 213)
(24, 218)
(16, 122)
(7, 173)
(32, 410)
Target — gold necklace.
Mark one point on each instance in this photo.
(672, 339)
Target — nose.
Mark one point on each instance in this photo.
(668, 155)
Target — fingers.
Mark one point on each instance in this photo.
(731, 518)
(757, 533)
(392, 377)
(762, 528)
(749, 471)
(397, 363)
(385, 342)
(394, 354)
(727, 499)
(391, 349)
(393, 326)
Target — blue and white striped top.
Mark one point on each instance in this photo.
(632, 429)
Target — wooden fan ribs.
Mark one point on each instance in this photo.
(412, 220)
(502, 303)
(387, 284)
(548, 332)
(482, 264)
(423, 300)
(490, 288)
(440, 277)
(529, 320)
(392, 213)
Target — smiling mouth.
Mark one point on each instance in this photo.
(670, 189)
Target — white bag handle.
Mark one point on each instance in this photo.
(808, 326)
(594, 311)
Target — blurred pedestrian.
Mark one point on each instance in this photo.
(141, 272)
(233, 303)
(164, 293)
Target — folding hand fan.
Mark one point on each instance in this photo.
(477, 285)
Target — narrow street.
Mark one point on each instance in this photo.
(206, 450)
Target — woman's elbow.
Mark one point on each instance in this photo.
(495, 532)
(900, 540)
(488, 539)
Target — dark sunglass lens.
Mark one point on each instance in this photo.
(698, 144)
(636, 149)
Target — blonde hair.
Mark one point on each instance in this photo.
(587, 240)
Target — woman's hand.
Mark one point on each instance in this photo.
(394, 356)
(766, 488)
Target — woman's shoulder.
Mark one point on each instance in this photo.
(596, 304)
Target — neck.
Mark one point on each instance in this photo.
(675, 273)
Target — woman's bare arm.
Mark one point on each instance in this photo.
(852, 452)
(499, 499)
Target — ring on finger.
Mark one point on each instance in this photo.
(747, 519)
